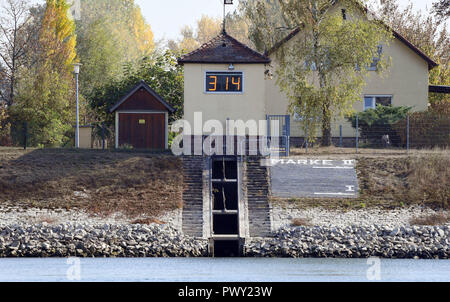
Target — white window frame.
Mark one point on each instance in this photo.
(223, 92)
(374, 96)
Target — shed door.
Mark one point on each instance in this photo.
(143, 130)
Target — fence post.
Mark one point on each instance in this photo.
(25, 133)
(357, 132)
(407, 133)
(341, 143)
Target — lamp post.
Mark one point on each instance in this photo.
(76, 70)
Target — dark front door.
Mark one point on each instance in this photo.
(143, 130)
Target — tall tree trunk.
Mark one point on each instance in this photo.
(326, 114)
(326, 126)
(11, 90)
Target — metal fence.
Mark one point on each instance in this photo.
(416, 131)
(419, 130)
(101, 137)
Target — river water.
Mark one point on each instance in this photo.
(222, 270)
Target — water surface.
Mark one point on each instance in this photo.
(222, 270)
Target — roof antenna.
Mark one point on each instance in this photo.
(225, 3)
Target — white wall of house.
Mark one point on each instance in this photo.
(248, 105)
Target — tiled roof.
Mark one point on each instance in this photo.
(224, 49)
(142, 84)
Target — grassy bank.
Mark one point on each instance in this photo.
(407, 180)
(101, 182)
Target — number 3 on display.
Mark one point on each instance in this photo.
(213, 83)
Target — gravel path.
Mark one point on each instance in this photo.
(282, 217)
(16, 215)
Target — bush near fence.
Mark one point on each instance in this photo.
(375, 123)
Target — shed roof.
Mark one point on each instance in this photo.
(224, 49)
(143, 84)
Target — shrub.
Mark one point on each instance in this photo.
(374, 123)
(172, 136)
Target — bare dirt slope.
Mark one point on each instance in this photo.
(133, 183)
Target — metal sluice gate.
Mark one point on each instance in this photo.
(225, 197)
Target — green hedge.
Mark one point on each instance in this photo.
(374, 123)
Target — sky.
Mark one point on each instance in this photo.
(167, 17)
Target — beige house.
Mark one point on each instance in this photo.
(404, 84)
(226, 80)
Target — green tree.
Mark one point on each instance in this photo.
(100, 56)
(162, 74)
(266, 22)
(45, 98)
(110, 33)
(324, 69)
(207, 28)
(188, 42)
(238, 27)
(425, 32)
(441, 9)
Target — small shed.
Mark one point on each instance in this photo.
(142, 119)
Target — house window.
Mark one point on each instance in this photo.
(376, 59)
(371, 101)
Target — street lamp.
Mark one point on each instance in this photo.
(76, 70)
